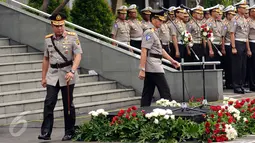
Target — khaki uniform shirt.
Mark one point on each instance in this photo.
(226, 30)
(216, 27)
(251, 23)
(151, 42)
(121, 31)
(164, 33)
(68, 45)
(180, 25)
(239, 25)
(145, 25)
(195, 30)
(136, 30)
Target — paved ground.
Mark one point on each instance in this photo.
(33, 129)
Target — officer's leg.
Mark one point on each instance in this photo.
(228, 67)
(244, 66)
(237, 67)
(252, 68)
(162, 86)
(69, 119)
(148, 89)
(172, 50)
(49, 105)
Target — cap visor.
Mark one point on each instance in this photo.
(58, 22)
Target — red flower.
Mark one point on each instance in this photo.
(134, 114)
(247, 100)
(121, 113)
(238, 105)
(127, 116)
(249, 105)
(210, 31)
(243, 111)
(228, 114)
(230, 120)
(134, 108)
(209, 141)
(217, 126)
(223, 110)
(129, 110)
(207, 124)
(218, 120)
(220, 114)
(143, 112)
(226, 107)
(204, 115)
(212, 116)
(230, 102)
(191, 99)
(247, 122)
(252, 102)
(223, 125)
(216, 131)
(209, 35)
(207, 130)
(114, 119)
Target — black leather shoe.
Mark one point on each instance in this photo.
(239, 91)
(246, 90)
(45, 136)
(67, 137)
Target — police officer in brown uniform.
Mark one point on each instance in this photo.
(239, 29)
(146, 13)
(121, 28)
(164, 36)
(216, 26)
(178, 26)
(251, 22)
(151, 69)
(172, 18)
(62, 57)
(186, 17)
(229, 14)
(193, 27)
(136, 30)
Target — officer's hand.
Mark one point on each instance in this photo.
(211, 53)
(234, 51)
(249, 53)
(176, 64)
(177, 54)
(131, 50)
(223, 51)
(69, 76)
(189, 53)
(44, 83)
(141, 74)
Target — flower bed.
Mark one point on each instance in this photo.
(235, 118)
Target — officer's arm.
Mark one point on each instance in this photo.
(77, 50)
(76, 61)
(147, 42)
(45, 66)
(114, 32)
(223, 43)
(174, 38)
(233, 26)
(232, 38)
(143, 58)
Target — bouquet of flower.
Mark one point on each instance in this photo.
(187, 38)
(207, 32)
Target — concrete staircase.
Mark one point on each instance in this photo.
(21, 92)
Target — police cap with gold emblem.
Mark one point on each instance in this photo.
(159, 14)
(179, 9)
(132, 8)
(230, 9)
(242, 4)
(171, 9)
(146, 10)
(215, 8)
(198, 9)
(122, 9)
(58, 19)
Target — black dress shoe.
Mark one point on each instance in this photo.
(239, 91)
(67, 137)
(246, 90)
(45, 136)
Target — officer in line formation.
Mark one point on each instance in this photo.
(232, 44)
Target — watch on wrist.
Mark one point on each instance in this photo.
(143, 69)
(72, 71)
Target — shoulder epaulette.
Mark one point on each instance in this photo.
(48, 36)
(152, 30)
(236, 17)
(71, 33)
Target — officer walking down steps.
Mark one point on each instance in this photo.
(62, 56)
(151, 69)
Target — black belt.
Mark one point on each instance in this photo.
(156, 56)
(58, 66)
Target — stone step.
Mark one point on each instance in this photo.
(17, 66)
(4, 41)
(36, 83)
(13, 49)
(18, 57)
(88, 97)
(80, 109)
(20, 75)
(36, 93)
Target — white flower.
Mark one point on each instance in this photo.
(245, 119)
(178, 104)
(168, 111)
(95, 114)
(172, 117)
(204, 33)
(238, 118)
(91, 112)
(154, 114)
(99, 111)
(105, 113)
(166, 117)
(236, 115)
(156, 121)
(226, 98)
(186, 39)
(148, 115)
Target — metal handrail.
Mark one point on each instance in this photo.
(102, 36)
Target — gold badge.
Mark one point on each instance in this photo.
(58, 17)
(77, 42)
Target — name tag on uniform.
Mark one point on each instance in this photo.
(50, 45)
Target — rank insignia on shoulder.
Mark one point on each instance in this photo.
(148, 37)
(48, 36)
(71, 33)
(77, 42)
